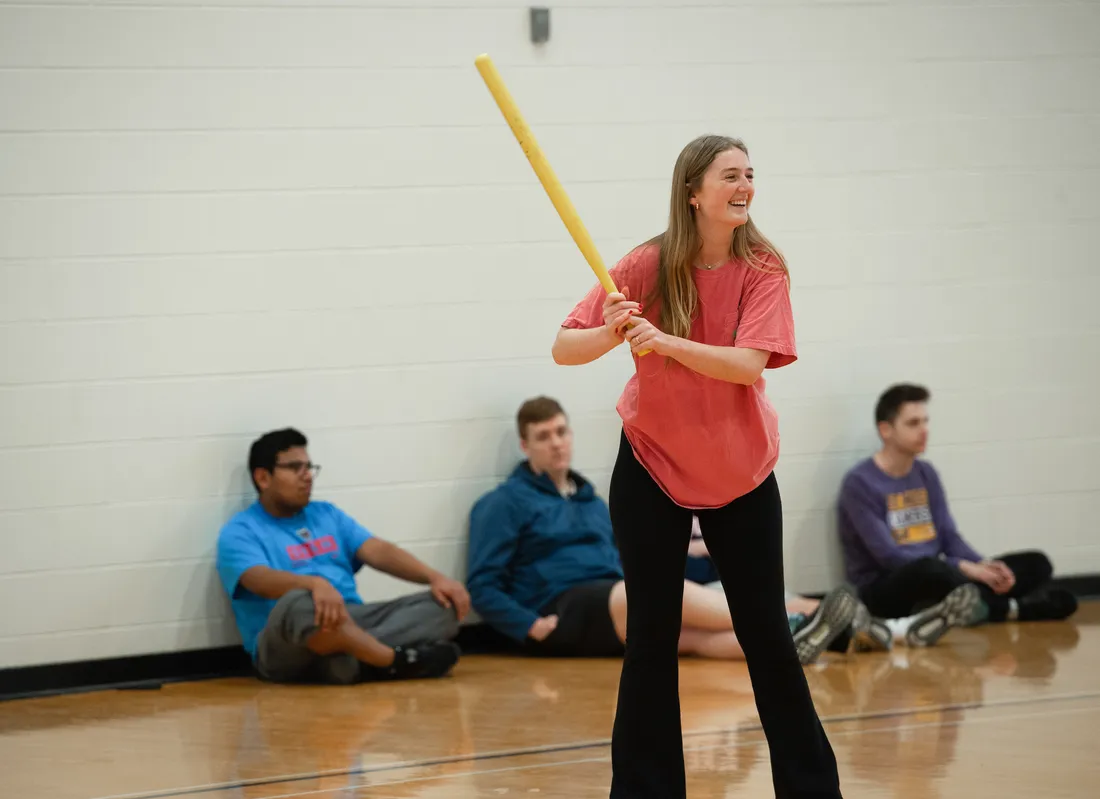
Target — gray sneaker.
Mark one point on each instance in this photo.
(831, 618)
(869, 634)
(957, 609)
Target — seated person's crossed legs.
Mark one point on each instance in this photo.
(406, 637)
(1011, 587)
(289, 566)
(840, 622)
(901, 545)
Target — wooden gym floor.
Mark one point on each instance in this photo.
(999, 711)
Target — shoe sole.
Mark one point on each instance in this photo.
(955, 610)
(875, 637)
(833, 615)
(868, 633)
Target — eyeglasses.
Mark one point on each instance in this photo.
(300, 467)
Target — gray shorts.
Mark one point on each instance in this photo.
(282, 654)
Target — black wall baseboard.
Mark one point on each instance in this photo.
(137, 672)
(149, 672)
(1083, 586)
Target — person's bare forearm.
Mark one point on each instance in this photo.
(732, 364)
(273, 583)
(573, 347)
(393, 560)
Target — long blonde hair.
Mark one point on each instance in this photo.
(680, 243)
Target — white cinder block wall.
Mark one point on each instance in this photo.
(221, 217)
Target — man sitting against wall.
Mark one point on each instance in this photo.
(545, 572)
(289, 566)
(901, 546)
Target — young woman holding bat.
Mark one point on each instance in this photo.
(709, 300)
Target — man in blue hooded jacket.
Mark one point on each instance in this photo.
(544, 569)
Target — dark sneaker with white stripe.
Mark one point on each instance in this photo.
(429, 659)
(957, 609)
(832, 617)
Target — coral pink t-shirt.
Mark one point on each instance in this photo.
(705, 441)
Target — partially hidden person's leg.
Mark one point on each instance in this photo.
(590, 605)
(745, 541)
(1035, 599)
(586, 627)
(710, 644)
(652, 532)
(703, 606)
(802, 605)
(707, 628)
(705, 609)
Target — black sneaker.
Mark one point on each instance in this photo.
(832, 617)
(1047, 604)
(420, 661)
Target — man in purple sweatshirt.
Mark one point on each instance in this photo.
(901, 547)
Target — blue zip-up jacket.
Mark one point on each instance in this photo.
(529, 544)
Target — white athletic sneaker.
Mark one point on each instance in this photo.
(954, 610)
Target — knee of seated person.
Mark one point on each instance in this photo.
(441, 624)
(299, 602)
(294, 614)
(770, 637)
(1040, 563)
(447, 625)
(1047, 571)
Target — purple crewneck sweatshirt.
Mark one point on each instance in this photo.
(886, 522)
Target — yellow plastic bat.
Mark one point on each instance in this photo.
(546, 175)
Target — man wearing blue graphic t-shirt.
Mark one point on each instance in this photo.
(901, 547)
(289, 564)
